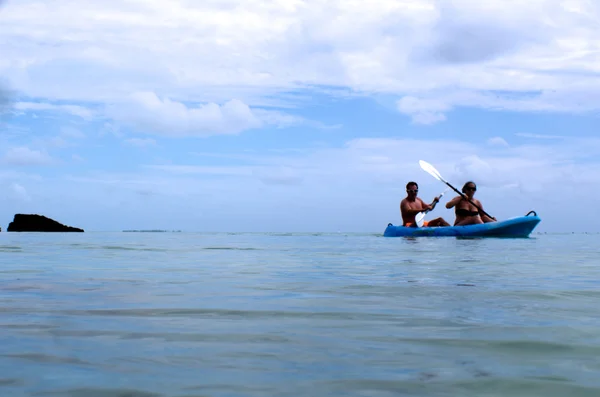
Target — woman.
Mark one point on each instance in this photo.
(467, 213)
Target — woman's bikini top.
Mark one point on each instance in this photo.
(465, 212)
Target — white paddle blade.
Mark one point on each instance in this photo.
(431, 170)
(420, 218)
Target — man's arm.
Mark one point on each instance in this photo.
(433, 203)
(425, 207)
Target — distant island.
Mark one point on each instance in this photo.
(151, 231)
(38, 223)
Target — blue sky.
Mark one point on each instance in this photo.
(291, 115)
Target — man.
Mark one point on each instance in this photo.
(412, 205)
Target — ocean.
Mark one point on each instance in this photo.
(197, 314)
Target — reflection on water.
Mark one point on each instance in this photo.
(282, 314)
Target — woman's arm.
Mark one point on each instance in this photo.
(484, 218)
(453, 202)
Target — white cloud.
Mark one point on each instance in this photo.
(71, 133)
(5, 99)
(203, 170)
(540, 136)
(57, 141)
(282, 120)
(475, 168)
(141, 142)
(369, 162)
(497, 141)
(23, 156)
(19, 192)
(266, 173)
(67, 137)
(279, 176)
(147, 113)
(74, 110)
(12, 175)
(423, 111)
(534, 56)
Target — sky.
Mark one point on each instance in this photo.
(291, 115)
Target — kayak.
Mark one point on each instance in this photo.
(517, 227)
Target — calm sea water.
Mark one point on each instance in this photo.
(191, 314)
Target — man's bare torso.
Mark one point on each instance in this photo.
(416, 205)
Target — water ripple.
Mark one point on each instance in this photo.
(286, 314)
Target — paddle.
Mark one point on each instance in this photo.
(421, 215)
(433, 172)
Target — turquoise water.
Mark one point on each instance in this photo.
(192, 314)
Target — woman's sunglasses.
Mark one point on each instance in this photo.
(471, 188)
(412, 191)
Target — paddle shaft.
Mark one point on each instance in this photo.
(421, 215)
(430, 169)
(439, 197)
(468, 199)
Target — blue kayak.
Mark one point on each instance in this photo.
(520, 226)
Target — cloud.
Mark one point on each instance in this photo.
(146, 112)
(279, 176)
(373, 163)
(67, 137)
(283, 120)
(202, 170)
(71, 133)
(533, 56)
(486, 32)
(540, 136)
(75, 110)
(18, 192)
(475, 168)
(423, 111)
(432, 107)
(5, 98)
(497, 141)
(23, 156)
(264, 171)
(141, 142)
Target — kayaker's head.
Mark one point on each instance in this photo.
(412, 189)
(469, 189)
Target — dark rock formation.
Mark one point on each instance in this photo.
(38, 223)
